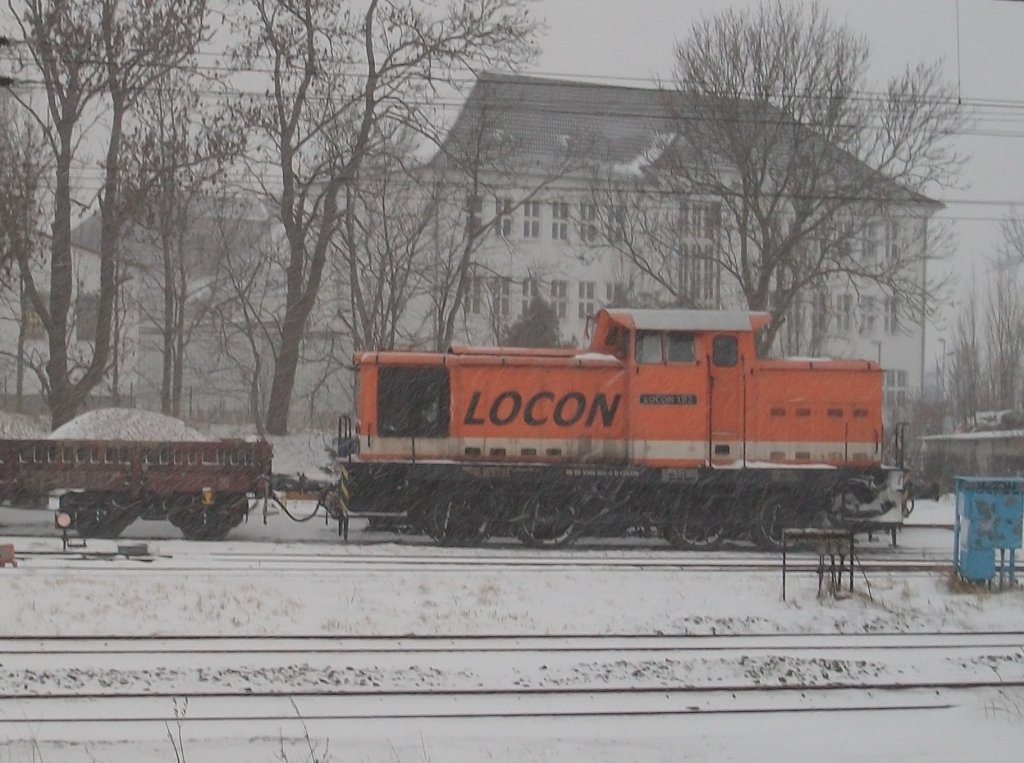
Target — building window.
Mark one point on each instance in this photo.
(869, 242)
(685, 225)
(560, 298)
(588, 223)
(844, 313)
(531, 219)
(474, 304)
(531, 290)
(474, 213)
(587, 300)
(820, 309)
(895, 387)
(616, 294)
(699, 219)
(87, 308)
(892, 240)
(560, 220)
(698, 273)
(616, 223)
(708, 221)
(867, 315)
(500, 290)
(503, 217)
(891, 320)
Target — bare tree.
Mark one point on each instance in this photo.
(95, 58)
(773, 122)
(1004, 340)
(23, 208)
(339, 79)
(1011, 250)
(965, 373)
(177, 157)
(381, 249)
(245, 328)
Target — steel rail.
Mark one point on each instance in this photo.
(490, 637)
(830, 687)
(551, 714)
(14, 647)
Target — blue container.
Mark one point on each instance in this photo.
(989, 514)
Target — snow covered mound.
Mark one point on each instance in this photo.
(17, 426)
(126, 424)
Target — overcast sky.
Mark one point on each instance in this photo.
(635, 39)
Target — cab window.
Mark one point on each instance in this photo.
(724, 351)
(412, 401)
(679, 347)
(617, 340)
(648, 347)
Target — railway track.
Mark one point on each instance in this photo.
(114, 644)
(39, 668)
(445, 560)
(253, 719)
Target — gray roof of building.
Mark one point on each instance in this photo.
(542, 122)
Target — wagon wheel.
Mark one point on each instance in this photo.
(198, 522)
(548, 522)
(237, 508)
(203, 524)
(774, 514)
(455, 521)
(103, 519)
(698, 526)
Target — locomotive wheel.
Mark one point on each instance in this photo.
(696, 527)
(455, 521)
(774, 515)
(546, 523)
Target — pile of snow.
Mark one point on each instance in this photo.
(17, 426)
(126, 424)
(302, 453)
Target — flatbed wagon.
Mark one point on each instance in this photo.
(204, 488)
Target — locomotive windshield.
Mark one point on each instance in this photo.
(678, 347)
(412, 401)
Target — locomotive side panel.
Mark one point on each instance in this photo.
(815, 412)
(547, 410)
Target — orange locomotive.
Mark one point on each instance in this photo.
(668, 420)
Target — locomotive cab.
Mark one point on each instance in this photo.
(686, 380)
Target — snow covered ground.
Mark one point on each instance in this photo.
(284, 578)
(196, 588)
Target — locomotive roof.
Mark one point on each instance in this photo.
(689, 320)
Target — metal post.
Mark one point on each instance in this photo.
(783, 565)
